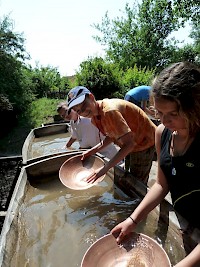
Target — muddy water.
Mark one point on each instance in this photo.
(57, 225)
(51, 145)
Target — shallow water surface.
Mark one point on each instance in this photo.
(56, 225)
(51, 144)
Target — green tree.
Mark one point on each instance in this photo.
(185, 53)
(65, 83)
(187, 10)
(195, 34)
(11, 43)
(47, 79)
(12, 54)
(137, 76)
(142, 36)
(99, 76)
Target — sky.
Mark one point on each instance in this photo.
(58, 33)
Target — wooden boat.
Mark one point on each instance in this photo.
(48, 224)
(42, 137)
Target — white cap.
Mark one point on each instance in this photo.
(77, 95)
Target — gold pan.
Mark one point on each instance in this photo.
(136, 250)
(74, 172)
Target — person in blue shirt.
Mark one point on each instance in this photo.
(140, 96)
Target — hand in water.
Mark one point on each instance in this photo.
(122, 229)
(86, 154)
(95, 175)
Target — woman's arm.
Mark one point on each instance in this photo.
(154, 197)
(192, 260)
(149, 202)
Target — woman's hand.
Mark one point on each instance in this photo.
(122, 229)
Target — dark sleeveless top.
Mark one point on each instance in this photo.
(183, 177)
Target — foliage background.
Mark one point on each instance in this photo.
(137, 46)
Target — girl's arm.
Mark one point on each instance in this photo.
(192, 260)
(154, 197)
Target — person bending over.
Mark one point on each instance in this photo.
(83, 131)
(122, 122)
(176, 93)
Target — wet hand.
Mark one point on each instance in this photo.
(92, 178)
(122, 229)
(95, 175)
(86, 154)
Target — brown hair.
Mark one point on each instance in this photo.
(60, 105)
(180, 83)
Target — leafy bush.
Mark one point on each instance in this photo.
(42, 111)
(137, 76)
(98, 76)
(108, 80)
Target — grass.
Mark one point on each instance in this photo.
(40, 111)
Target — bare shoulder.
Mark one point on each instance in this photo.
(159, 130)
(158, 134)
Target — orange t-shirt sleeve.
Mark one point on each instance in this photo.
(115, 125)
